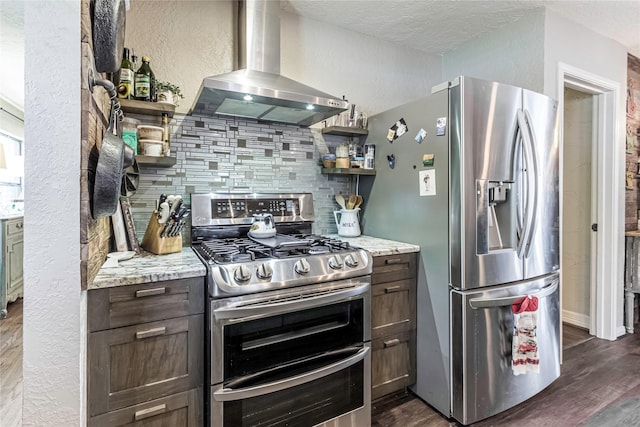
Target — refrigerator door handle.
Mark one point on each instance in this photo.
(530, 198)
(535, 179)
(480, 303)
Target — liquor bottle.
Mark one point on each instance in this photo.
(144, 81)
(165, 135)
(125, 84)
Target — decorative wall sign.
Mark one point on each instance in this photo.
(427, 182)
(398, 129)
(441, 126)
(420, 136)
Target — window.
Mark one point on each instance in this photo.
(12, 174)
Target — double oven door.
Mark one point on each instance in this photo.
(295, 357)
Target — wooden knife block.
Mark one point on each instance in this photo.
(152, 241)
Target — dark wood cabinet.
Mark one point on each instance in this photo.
(179, 410)
(146, 342)
(393, 323)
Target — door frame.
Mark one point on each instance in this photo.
(608, 203)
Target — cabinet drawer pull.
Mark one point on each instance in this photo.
(392, 289)
(391, 343)
(394, 261)
(151, 333)
(150, 412)
(149, 292)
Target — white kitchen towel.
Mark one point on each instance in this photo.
(524, 357)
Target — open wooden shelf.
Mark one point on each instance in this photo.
(345, 131)
(158, 162)
(349, 171)
(148, 108)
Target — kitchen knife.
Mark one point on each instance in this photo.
(163, 212)
(161, 200)
(165, 229)
(177, 204)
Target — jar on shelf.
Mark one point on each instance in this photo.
(130, 133)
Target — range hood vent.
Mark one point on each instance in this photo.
(257, 90)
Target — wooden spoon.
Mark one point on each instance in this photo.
(352, 201)
(340, 201)
(359, 201)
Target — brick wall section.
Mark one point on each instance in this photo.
(633, 143)
(95, 235)
(226, 154)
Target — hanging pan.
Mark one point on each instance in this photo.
(114, 157)
(108, 34)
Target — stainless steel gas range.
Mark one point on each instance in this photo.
(288, 334)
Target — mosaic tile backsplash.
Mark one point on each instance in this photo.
(227, 154)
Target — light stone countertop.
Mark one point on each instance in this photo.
(6, 217)
(148, 267)
(377, 246)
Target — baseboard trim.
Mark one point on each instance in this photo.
(575, 319)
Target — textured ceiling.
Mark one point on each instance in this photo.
(436, 26)
(433, 26)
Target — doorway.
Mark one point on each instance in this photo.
(591, 279)
(578, 147)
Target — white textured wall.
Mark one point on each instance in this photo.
(373, 73)
(576, 195)
(512, 55)
(54, 306)
(186, 41)
(577, 46)
(190, 40)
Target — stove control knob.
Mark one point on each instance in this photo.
(302, 266)
(242, 274)
(335, 262)
(264, 271)
(351, 260)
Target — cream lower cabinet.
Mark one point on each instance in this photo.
(145, 354)
(393, 323)
(11, 288)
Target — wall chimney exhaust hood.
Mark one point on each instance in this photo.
(257, 90)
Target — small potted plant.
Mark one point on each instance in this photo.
(168, 92)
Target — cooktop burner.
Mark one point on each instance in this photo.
(232, 250)
(238, 263)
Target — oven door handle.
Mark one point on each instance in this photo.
(227, 394)
(270, 307)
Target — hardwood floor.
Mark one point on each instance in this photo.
(596, 375)
(573, 335)
(11, 366)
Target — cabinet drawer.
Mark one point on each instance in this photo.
(393, 267)
(138, 363)
(182, 409)
(392, 363)
(14, 226)
(129, 305)
(393, 307)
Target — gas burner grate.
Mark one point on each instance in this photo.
(244, 249)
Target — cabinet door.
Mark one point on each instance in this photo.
(182, 409)
(15, 251)
(392, 363)
(393, 307)
(135, 364)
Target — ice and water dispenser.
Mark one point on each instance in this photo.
(496, 216)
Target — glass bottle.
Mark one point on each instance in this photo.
(125, 84)
(144, 81)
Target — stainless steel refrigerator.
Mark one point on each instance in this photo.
(470, 173)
